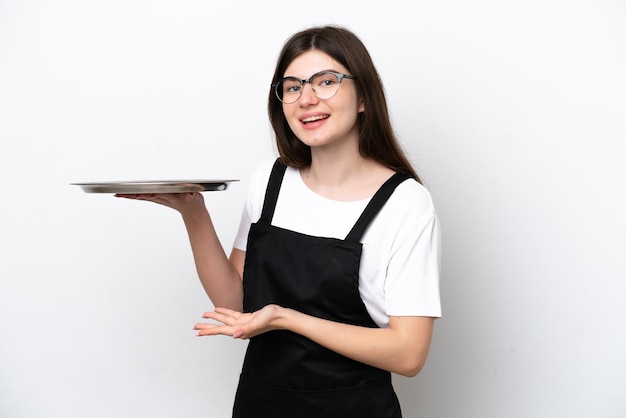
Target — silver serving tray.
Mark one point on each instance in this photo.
(157, 186)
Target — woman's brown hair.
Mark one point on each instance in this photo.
(376, 137)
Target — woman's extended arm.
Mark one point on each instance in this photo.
(219, 275)
(402, 348)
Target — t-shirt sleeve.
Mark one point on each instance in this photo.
(254, 203)
(412, 280)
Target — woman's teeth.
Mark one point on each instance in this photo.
(314, 118)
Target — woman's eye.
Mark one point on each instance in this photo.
(325, 80)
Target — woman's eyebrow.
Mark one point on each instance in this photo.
(317, 72)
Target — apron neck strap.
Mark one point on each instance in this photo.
(271, 193)
(374, 206)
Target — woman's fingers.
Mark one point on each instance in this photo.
(205, 330)
(227, 312)
(238, 324)
(231, 323)
(178, 201)
(226, 316)
(213, 329)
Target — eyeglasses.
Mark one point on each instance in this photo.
(324, 84)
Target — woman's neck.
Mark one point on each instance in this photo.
(344, 176)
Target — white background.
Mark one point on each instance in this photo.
(513, 112)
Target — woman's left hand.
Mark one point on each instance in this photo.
(238, 324)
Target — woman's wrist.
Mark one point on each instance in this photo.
(194, 215)
(281, 317)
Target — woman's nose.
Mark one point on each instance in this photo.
(308, 95)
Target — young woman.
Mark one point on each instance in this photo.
(334, 272)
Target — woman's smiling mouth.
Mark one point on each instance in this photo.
(313, 118)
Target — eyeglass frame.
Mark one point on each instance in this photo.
(340, 77)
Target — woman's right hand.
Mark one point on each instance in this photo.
(185, 203)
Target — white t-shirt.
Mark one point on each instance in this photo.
(399, 271)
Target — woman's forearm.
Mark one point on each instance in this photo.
(402, 348)
(219, 277)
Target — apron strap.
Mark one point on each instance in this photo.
(376, 203)
(271, 193)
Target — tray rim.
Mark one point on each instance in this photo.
(154, 186)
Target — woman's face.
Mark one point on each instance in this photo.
(322, 122)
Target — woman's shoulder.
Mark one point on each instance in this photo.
(261, 174)
(410, 195)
